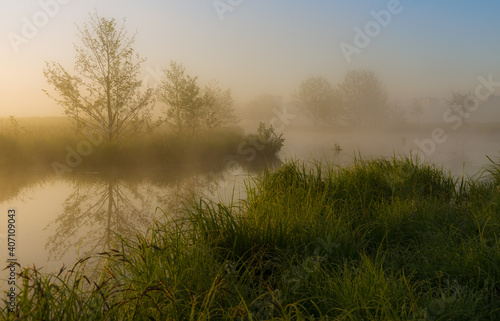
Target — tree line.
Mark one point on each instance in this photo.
(105, 93)
(106, 96)
(360, 99)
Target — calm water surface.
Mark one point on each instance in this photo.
(63, 218)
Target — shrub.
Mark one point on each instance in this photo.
(267, 141)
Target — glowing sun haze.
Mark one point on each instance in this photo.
(422, 48)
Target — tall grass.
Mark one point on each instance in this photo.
(381, 240)
(39, 143)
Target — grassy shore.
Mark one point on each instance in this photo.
(52, 145)
(382, 240)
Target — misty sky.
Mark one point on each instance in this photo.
(428, 48)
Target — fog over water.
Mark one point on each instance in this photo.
(338, 81)
(63, 219)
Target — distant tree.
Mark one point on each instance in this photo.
(262, 107)
(218, 107)
(417, 108)
(317, 98)
(396, 113)
(462, 104)
(363, 97)
(105, 93)
(15, 129)
(182, 95)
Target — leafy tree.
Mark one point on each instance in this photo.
(396, 114)
(105, 94)
(363, 97)
(462, 104)
(182, 95)
(318, 99)
(417, 108)
(15, 129)
(262, 107)
(218, 108)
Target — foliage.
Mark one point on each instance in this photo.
(181, 94)
(105, 94)
(218, 110)
(262, 107)
(45, 141)
(462, 104)
(319, 100)
(267, 141)
(189, 108)
(270, 138)
(417, 108)
(364, 97)
(14, 129)
(384, 239)
(396, 113)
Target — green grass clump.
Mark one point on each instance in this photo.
(381, 240)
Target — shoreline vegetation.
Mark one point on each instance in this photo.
(52, 145)
(382, 239)
(38, 142)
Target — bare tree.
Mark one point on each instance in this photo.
(318, 99)
(363, 97)
(105, 95)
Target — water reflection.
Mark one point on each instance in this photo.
(101, 208)
(95, 211)
(89, 210)
(177, 194)
(66, 218)
(14, 182)
(210, 184)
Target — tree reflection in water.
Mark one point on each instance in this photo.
(213, 186)
(96, 212)
(176, 195)
(100, 209)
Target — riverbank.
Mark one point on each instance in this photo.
(383, 239)
(53, 145)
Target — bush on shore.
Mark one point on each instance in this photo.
(52, 145)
